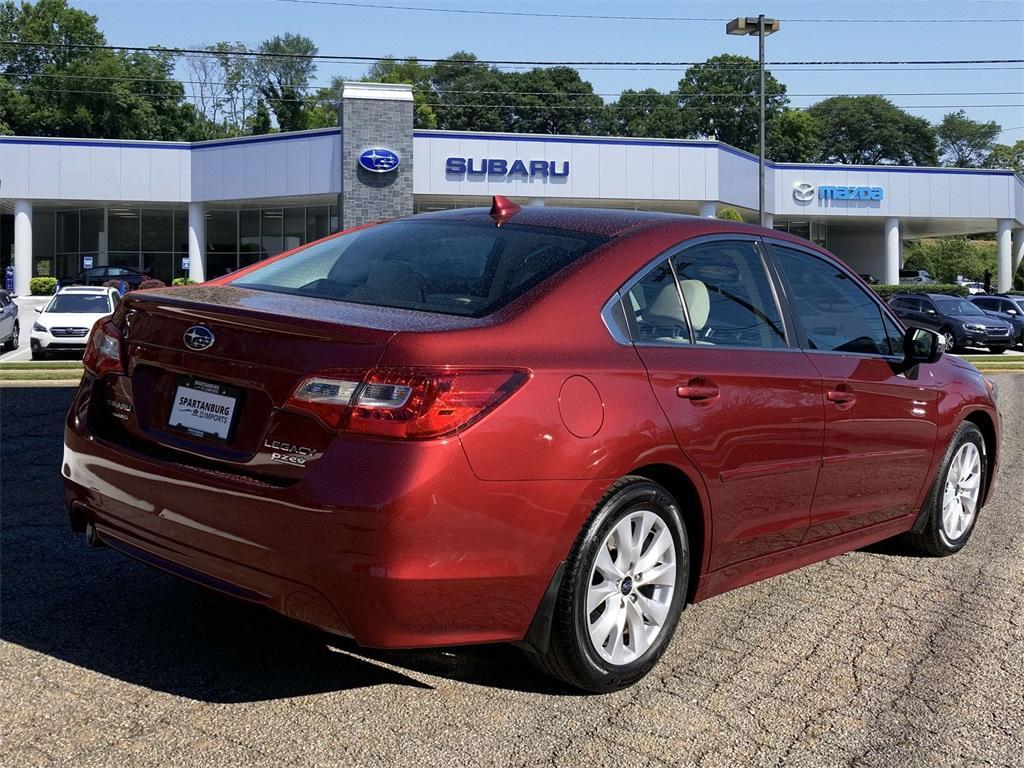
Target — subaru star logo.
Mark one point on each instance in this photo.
(379, 160)
(803, 192)
(198, 338)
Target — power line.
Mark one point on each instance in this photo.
(607, 17)
(570, 94)
(444, 105)
(516, 62)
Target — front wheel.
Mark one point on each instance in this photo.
(12, 343)
(624, 587)
(997, 350)
(39, 354)
(950, 340)
(954, 501)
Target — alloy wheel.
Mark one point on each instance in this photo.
(961, 492)
(632, 584)
(950, 340)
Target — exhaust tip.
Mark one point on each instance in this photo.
(92, 538)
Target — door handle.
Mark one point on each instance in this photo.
(697, 390)
(842, 395)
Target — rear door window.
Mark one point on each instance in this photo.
(728, 295)
(653, 310)
(449, 267)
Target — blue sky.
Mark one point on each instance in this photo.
(359, 31)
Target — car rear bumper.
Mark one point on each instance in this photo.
(393, 544)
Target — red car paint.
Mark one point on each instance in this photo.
(779, 457)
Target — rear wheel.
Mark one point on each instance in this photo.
(624, 587)
(954, 501)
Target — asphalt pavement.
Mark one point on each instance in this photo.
(874, 658)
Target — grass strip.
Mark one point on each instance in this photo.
(41, 364)
(62, 375)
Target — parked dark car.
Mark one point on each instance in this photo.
(101, 275)
(10, 329)
(554, 427)
(1010, 309)
(961, 323)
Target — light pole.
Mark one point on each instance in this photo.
(762, 27)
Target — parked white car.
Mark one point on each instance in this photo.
(974, 287)
(65, 322)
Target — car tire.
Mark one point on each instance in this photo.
(963, 467)
(950, 340)
(39, 354)
(599, 575)
(997, 350)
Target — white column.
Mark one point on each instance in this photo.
(22, 246)
(1016, 249)
(197, 242)
(892, 251)
(707, 210)
(769, 220)
(1004, 278)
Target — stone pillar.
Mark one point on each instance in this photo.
(1016, 249)
(22, 246)
(197, 242)
(375, 116)
(892, 251)
(1004, 277)
(708, 210)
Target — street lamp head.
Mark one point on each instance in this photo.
(748, 25)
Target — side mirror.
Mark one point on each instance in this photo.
(931, 311)
(39, 310)
(921, 345)
(1012, 312)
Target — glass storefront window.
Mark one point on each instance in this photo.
(159, 266)
(318, 222)
(249, 246)
(67, 231)
(218, 264)
(294, 228)
(124, 229)
(272, 223)
(157, 230)
(181, 231)
(93, 232)
(222, 232)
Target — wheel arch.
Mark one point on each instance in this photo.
(984, 422)
(694, 511)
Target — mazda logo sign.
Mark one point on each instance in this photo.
(198, 338)
(803, 192)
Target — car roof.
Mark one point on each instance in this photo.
(596, 221)
(85, 289)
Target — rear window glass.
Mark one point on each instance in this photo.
(455, 268)
(91, 303)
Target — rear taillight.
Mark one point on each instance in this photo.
(103, 352)
(414, 404)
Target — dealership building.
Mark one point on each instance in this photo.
(203, 209)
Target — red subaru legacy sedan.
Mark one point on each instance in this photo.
(549, 427)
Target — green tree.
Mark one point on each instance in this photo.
(259, 121)
(965, 143)
(720, 99)
(284, 72)
(391, 70)
(872, 130)
(470, 96)
(553, 100)
(649, 113)
(947, 258)
(87, 92)
(1007, 156)
(794, 136)
(730, 214)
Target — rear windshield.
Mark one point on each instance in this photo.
(453, 268)
(91, 303)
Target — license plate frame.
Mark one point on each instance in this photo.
(211, 392)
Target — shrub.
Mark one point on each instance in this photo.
(183, 281)
(112, 284)
(42, 286)
(730, 214)
(151, 282)
(888, 291)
